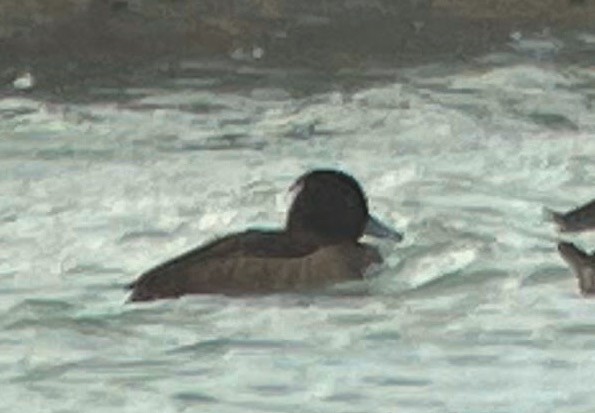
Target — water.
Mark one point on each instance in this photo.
(474, 312)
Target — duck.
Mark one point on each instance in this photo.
(581, 218)
(318, 248)
(582, 265)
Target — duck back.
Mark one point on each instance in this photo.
(255, 262)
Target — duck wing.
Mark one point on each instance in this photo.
(208, 268)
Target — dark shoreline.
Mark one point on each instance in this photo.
(113, 46)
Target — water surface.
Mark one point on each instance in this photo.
(474, 312)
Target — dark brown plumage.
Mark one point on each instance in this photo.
(581, 264)
(578, 219)
(318, 247)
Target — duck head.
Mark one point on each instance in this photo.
(331, 206)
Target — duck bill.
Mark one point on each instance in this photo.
(378, 229)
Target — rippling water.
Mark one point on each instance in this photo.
(474, 312)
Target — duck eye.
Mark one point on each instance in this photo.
(351, 203)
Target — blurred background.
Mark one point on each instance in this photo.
(79, 38)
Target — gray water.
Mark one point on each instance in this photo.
(474, 312)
